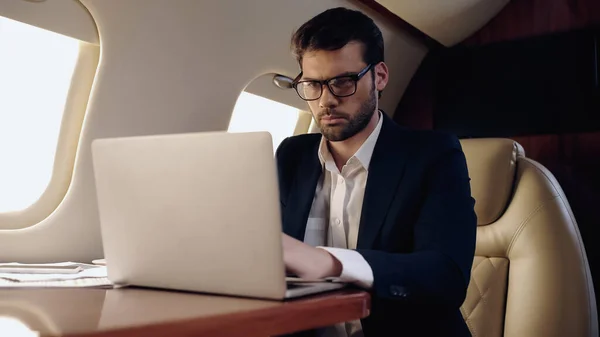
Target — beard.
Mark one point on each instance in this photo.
(353, 125)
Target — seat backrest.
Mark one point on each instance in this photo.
(530, 276)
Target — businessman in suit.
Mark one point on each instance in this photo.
(383, 207)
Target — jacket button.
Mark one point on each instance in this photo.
(398, 291)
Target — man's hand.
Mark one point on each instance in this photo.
(309, 262)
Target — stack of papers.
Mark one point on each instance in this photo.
(80, 275)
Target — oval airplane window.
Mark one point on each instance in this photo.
(36, 67)
(16, 327)
(45, 81)
(256, 113)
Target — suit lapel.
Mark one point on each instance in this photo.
(385, 172)
(302, 194)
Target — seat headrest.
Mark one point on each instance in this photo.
(492, 164)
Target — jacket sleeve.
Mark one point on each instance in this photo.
(437, 272)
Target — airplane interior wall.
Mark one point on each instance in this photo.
(174, 67)
(544, 94)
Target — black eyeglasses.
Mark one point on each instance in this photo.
(339, 86)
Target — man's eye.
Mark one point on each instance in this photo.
(342, 82)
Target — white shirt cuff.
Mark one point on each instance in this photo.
(355, 269)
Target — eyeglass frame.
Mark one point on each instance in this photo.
(355, 78)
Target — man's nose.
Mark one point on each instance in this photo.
(327, 99)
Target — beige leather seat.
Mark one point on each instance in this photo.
(530, 276)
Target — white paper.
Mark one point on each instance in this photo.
(91, 276)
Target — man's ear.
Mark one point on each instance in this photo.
(381, 76)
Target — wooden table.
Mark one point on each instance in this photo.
(145, 312)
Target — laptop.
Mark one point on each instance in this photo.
(195, 212)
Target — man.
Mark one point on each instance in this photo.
(383, 207)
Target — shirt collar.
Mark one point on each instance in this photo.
(363, 155)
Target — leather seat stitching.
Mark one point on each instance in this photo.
(522, 225)
(481, 294)
(486, 290)
(469, 322)
(477, 265)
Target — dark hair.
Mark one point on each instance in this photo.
(336, 27)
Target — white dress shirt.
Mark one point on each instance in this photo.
(334, 217)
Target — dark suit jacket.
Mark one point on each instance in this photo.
(417, 229)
